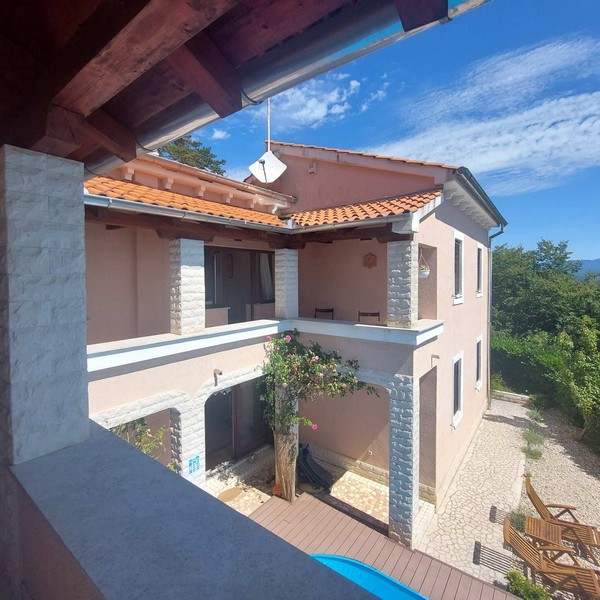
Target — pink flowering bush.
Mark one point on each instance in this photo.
(295, 373)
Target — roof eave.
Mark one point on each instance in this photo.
(467, 179)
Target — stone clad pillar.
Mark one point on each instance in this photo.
(187, 286)
(286, 284)
(403, 282)
(43, 355)
(404, 457)
(43, 370)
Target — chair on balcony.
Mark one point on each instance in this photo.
(323, 311)
(368, 315)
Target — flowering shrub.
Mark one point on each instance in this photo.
(297, 373)
(141, 436)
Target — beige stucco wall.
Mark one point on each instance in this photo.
(127, 279)
(333, 275)
(335, 184)
(186, 374)
(463, 324)
(357, 426)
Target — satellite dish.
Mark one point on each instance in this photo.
(268, 168)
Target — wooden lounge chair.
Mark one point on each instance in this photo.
(558, 576)
(586, 537)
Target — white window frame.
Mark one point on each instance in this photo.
(458, 415)
(460, 297)
(478, 382)
(479, 275)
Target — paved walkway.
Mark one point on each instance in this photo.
(467, 530)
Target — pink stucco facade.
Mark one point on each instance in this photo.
(128, 297)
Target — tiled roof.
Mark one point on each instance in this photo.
(385, 207)
(367, 154)
(125, 190)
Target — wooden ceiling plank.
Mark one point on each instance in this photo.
(114, 47)
(416, 13)
(110, 134)
(258, 25)
(207, 72)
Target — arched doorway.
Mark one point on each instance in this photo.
(234, 424)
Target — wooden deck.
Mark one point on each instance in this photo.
(315, 527)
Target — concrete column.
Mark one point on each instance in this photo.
(403, 282)
(43, 371)
(187, 286)
(286, 283)
(404, 457)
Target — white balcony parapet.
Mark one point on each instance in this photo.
(116, 524)
(111, 355)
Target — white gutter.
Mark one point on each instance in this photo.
(288, 227)
(177, 213)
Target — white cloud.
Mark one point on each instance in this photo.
(522, 151)
(311, 104)
(511, 80)
(513, 119)
(376, 96)
(219, 134)
(239, 172)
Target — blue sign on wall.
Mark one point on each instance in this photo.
(193, 464)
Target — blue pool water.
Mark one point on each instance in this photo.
(374, 581)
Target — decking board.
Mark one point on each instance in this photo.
(317, 528)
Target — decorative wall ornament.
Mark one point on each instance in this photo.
(370, 260)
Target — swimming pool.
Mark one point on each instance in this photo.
(371, 579)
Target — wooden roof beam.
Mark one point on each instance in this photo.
(121, 40)
(111, 135)
(205, 70)
(52, 131)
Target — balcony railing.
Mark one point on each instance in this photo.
(110, 355)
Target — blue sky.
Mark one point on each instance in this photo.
(510, 90)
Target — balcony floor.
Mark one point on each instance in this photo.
(314, 527)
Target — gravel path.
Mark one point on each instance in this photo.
(568, 472)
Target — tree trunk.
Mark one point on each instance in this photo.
(286, 451)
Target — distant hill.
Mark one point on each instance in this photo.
(589, 265)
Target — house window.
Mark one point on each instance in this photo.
(458, 268)
(478, 363)
(479, 270)
(457, 389)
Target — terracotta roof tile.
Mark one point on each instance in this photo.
(125, 190)
(385, 207)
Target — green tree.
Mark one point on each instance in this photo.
(191, 152)
(295, 373)
(546, 328)
(555, 257)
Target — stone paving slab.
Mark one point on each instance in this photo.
(467, 529)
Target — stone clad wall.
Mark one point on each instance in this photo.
(286, 283)
(187, 418)
(404, 457)
(43, 372)
(187, 286)
(403, 278)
